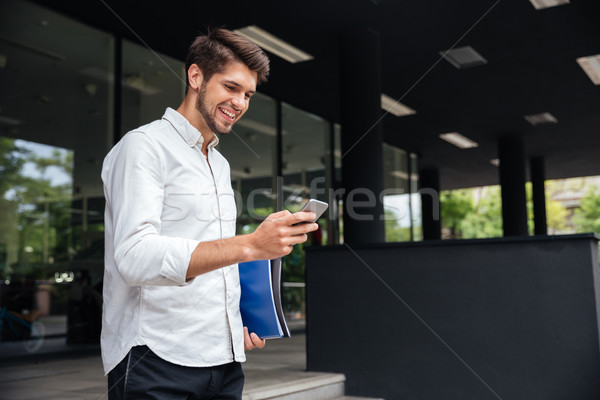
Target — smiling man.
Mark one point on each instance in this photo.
(171, 321)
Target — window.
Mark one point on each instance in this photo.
(56, 127)
(398, 205)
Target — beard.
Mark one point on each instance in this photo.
(207, 114)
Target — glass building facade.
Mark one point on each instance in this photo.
(68, 92)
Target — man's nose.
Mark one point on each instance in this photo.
(239, 101)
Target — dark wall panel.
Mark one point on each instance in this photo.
(485, 319)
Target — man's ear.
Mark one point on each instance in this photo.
(195, 76)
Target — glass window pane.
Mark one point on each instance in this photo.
(336, 211)
(415, 199)
(305, 143)
(151, 82)
(396, 201)
(250, 149)
(56, 109)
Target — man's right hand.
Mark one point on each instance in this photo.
(274, 237)
(278, 233)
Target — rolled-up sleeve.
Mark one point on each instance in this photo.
(133, 176)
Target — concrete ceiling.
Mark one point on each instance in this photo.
(530, 68)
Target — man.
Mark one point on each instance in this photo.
(171, 322)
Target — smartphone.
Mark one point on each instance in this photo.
(316, 206)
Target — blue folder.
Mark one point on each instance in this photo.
(260, 304)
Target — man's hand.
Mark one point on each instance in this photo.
(276, 235)
(252, 341)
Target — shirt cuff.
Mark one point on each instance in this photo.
(177, 260)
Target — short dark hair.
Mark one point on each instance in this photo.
(214, 51)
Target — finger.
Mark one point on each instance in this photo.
(279, 215)
(256, 341)
(296, 239)
(248, 345)
(304, 228)
(302, 216)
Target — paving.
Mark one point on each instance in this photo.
(76, 372)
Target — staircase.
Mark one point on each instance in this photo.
(279, 372)
(301, 386)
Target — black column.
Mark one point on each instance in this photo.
(278, 159)
(538, 177)
(511, 153)
(118, 90)
(429, 188)
(362, 138)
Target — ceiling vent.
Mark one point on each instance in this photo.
(395, 107)
(274, 44)
(463, 57)
(541, 119)
(541, 4)
(591, 66)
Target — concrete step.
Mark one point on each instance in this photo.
(302, 386)
(356, 398)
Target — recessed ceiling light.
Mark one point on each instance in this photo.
(495, 162)
(395, 107)
(98, 73)
(458, 140)
(90, 88)
(41, 98)
(591, 66)
(34, 49)
(138, 82)
(10, 121)
(274, 44)
(541, 119)
(239, 174)
(463, 57)
(399, 174)
(257, 126)
(541, 4)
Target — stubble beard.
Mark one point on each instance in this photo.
(207, 114)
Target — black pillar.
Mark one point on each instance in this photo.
(118, 91)
(511, 153)
(429, 188)
(278, 159)
(362, 137)
(538, 177)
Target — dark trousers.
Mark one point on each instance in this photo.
(144, 375)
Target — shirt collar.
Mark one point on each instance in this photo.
(187, 131)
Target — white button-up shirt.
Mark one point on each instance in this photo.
(163, 197)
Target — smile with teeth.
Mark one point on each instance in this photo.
(230, 115)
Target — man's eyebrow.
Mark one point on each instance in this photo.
(234, 83)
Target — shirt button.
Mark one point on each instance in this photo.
(191, 142)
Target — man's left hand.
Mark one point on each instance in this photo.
(252, 341)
